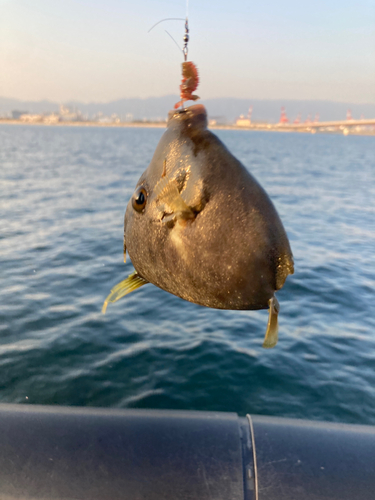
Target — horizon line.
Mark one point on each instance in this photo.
(176, 96)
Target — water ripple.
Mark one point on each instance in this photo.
(64, 192)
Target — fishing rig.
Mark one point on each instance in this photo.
(190, 78)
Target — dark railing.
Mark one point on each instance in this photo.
(108, 454)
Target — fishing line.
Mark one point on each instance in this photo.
(190, 78)
(166, 19)
(179, 48)
(186, 35)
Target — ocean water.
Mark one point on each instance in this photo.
(63, 193)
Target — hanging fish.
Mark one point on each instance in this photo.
(200, 226)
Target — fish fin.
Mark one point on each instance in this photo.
(271, 337)
(284, 268)
(126, 286)
(167, 192)
(193, 189)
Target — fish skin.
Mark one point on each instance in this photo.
(233, 253)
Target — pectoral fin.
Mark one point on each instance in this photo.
(131, 283)
(271, 337)
(167, 193)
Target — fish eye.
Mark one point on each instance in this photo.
(139, 199)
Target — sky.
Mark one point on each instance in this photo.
(100, 50)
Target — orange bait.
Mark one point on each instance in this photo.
(190, 80)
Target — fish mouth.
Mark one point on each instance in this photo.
(195, 109)
(193, 116)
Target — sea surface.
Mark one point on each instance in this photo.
(63, 193)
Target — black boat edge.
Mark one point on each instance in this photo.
(52, 452)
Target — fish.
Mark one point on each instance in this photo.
(201, 227)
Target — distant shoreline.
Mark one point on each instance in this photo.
(254, 127)
(87, 124)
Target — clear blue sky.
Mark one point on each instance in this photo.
(99, 50)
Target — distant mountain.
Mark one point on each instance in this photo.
(223, 109)
(152, 108)
(7, 105)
